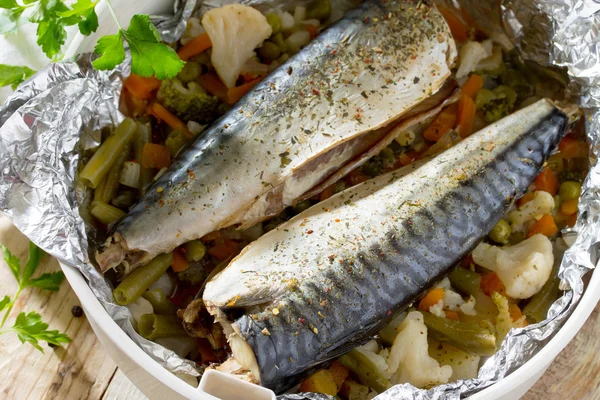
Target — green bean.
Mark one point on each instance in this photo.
(191, 70)
(302, 205)
(569, 190)
(195, 250)
(320, 9)
(109, 187)
(467, 337)
(143, 135)
(280, 42)
(106, 213)
(500, 233)
(465, 280)
(275, 22)
(354, 390)
(106, 155)
(153, 326)
(159, 301)
(537, 308)
(136, 283)
(269, 51)
(366, 372)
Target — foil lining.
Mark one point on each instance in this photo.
(62, 109)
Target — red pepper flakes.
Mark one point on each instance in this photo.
(389, 312)
(315, 92)
(302, 320)
(309, 232)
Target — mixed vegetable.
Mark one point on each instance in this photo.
(510, 280)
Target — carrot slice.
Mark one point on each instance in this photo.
(547, 181)
(514, 311)
(466, 116)
(141, 87)
(527, 197)
(451, 315)
(572, 148)
(339, 373)
(179, 263)
(431, 299)
(130, 105)
(211, 236)
(313, 30)
(472, 85)
(197, 45)
(236, 93)
(155, 156)
(224, 249)
(569, 207)
(545, 225)
(491, 283)
(162, 114)
(572, 220)
(327, 193)
(460, 30)
(213, 85)
(355, 177)
(441, 124)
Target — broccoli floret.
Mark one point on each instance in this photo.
(496, 104)
(195, 274)
(190, 103)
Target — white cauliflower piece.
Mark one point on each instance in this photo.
(522, 268)
(542, 203)
(470, 54)
(138, 308)
(438, 309)
(453, 301)
(235, 30)
(469, 307)
(409, 357)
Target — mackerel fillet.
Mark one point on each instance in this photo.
(331, 277)
(332, 105)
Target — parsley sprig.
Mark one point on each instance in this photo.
(149, 56)
(29, 327)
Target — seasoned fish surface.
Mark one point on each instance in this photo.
(331, 277)
(330, 103)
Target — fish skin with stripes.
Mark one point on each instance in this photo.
(328, 279)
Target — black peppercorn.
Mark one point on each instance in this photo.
(77, 311)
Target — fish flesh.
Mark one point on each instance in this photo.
(331, 277)
(328, 108)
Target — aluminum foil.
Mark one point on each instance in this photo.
(60, 111)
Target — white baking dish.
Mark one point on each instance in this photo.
(158, 383)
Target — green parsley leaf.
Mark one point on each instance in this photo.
(30, 328)
(13, 262)
(83, 14)
(111, 50)
(150, 57)
(14, 74)
(4, 302)
(35, 256)
(51, 36)
(47, 281)
(8, 4)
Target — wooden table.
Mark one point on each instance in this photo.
(83, 370)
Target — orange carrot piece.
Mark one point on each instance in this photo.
(472, 85)
(409, 157)
(451, 315)
(355, 177)
(166, 116)
(572, 148)
(179, 263)
(514, 311)
(197, 45)
(327, 193)
(213, 85)
(236, 93)
(569, 207)
(466, 116)
(224, 249)
(491, 283)
(547, 181)
(141, 87)
(460, 30)
(441, 124)
(431, 299)
(527, 197)
(211, 236)
(130, 105)
(207, 353)
(572, 220)
(339, 373)
(155, 156)
(313, 30)
(545, 225)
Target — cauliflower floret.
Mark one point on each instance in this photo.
(452, 301)
(438, 309)
(542, 203)
(470, 54)
(409, 357)
(235, 30)
(522, 268)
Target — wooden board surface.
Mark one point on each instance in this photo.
(83, 370)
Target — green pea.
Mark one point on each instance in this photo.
(195, 250)
(269, 51)
(191, 70)
(275, 22)
(320, 9)
(569, 190)
(387, 154)
(501, 232)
